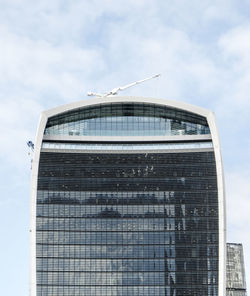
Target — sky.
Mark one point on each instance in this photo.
(54, 52)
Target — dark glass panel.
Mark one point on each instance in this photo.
(127, 224)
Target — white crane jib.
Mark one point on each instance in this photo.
(120, 88)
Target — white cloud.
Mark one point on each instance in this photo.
(236, 44)
(31, 72)
(238, 205)
(234, 50)
(38, 65)
(17, 126)
(238, 193)
(55, 51)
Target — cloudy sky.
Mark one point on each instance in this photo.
(53, 51)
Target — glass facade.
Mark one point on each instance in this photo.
(123, 119)
(130, 223)
(236, 279)
(134, 224)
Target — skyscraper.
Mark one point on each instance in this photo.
(236, 281)
(127, 199)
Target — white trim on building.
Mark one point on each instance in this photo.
(117, 99)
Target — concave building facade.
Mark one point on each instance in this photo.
(127, 199)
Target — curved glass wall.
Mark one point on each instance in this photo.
(127, 224)
(127, 119)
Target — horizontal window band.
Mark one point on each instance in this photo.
(129, 285)
(120, 219)
(126, 139)
(105, 218)
(124, 273)
(84, 261)
(121, 232)
(176, 247)
(126, 147)
(211, 258)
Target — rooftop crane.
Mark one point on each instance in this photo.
(120, 88)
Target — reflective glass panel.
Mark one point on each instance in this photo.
(127, 119)
(127, 224)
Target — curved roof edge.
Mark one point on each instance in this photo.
(123, 99)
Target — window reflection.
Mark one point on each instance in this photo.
(161, 239)
(127, 119)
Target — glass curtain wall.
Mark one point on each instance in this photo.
(127, 224)
(125, 119)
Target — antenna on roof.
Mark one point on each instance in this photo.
(120, 88)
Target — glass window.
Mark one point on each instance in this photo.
(127, 119)
(154, 234)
